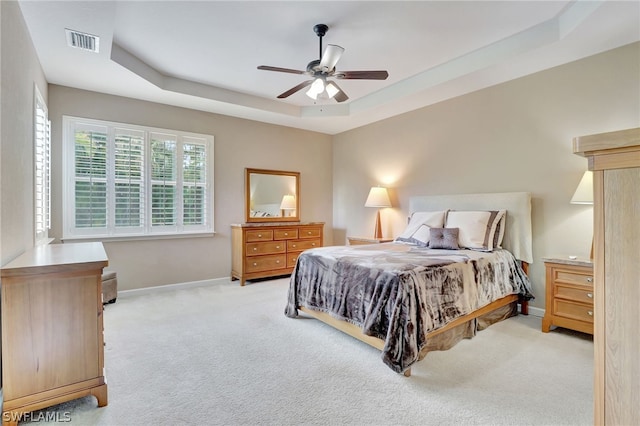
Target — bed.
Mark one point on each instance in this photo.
(458, 267)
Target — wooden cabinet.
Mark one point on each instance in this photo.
(357, 241)
(614, 159)
(569, 294)
(261, 250)
(52, 342)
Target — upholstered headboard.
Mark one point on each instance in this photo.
(517, 236)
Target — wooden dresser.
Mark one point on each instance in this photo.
(569, 294)
(614, 159)
(261, 250)
(52, 342)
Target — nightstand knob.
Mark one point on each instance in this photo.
(589, 279)
(277, 261)
(286, 234)
(255, 264)
(255, 248)
(309, 232)
(293, 245)
(590, 295)
(313, 244)
(277, 247)
(590, 313)
(259, 235)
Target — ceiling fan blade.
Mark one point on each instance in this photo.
(278, 69)
(330, 57)
(362, 75)
(295, 89)
(340, 96)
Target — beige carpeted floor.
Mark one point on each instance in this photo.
(227, 355)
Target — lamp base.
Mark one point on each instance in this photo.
(378, 230)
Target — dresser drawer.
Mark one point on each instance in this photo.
(285, 234)
(299, 245)
(259, 235)
(310, 232)
(270, 247)
(292, 258)
(578, 311)
(265, 263)
(577, 294)
(572, 277)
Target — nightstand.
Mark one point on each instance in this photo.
(358, 241)
(569, 294)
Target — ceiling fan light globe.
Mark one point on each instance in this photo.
(331, 89)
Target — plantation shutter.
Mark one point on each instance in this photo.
(194, 180)
(42, 171)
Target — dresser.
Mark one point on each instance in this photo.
(52, 341)
(569, 294)
(614, 159)
(262, 250)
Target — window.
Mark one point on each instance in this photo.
(125, 180)
(42, 178)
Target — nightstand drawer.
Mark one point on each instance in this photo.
(572, 310)
(573, 277)
(576, 294)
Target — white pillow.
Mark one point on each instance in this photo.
(476, 228)
(419, 225)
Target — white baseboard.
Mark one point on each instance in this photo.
(536, 312)
(170, 287)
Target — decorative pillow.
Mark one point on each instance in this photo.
(477, 229)
(417, 230)
(499, 234)
(444, 238)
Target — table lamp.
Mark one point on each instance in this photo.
(378, 197)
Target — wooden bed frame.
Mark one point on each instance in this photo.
(517, 240)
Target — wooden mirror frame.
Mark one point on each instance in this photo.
(248, 196)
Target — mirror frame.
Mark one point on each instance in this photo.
(247, 191)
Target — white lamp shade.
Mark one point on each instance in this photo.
(584, 191)
(288, 203)
(378, 197)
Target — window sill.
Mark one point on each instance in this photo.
(115, 238)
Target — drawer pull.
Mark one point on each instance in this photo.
(255, 264)
(259, 235)
(590, 295)
(286, 234)
(293, 245)
(589, 279)
(313, 244)
(309, 232)
(277, 261)
(277, 247)
(255, 248)
(590, 313)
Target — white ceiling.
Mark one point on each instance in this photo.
(203, 54)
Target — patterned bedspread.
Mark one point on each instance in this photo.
(399, 292)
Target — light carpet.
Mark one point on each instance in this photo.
(227, 355)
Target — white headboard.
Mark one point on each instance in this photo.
(517, 236)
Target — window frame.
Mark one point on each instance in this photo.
(41, 165)
(146, 229)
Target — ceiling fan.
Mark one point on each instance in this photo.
(321, 69)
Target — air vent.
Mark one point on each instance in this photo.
(82, 40)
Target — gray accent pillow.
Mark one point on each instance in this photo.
(444, 238)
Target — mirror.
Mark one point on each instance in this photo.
(272, 196)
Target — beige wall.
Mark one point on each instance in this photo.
(239, 143)
(20, 71)
(514, 136)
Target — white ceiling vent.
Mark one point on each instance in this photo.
(82, 40)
